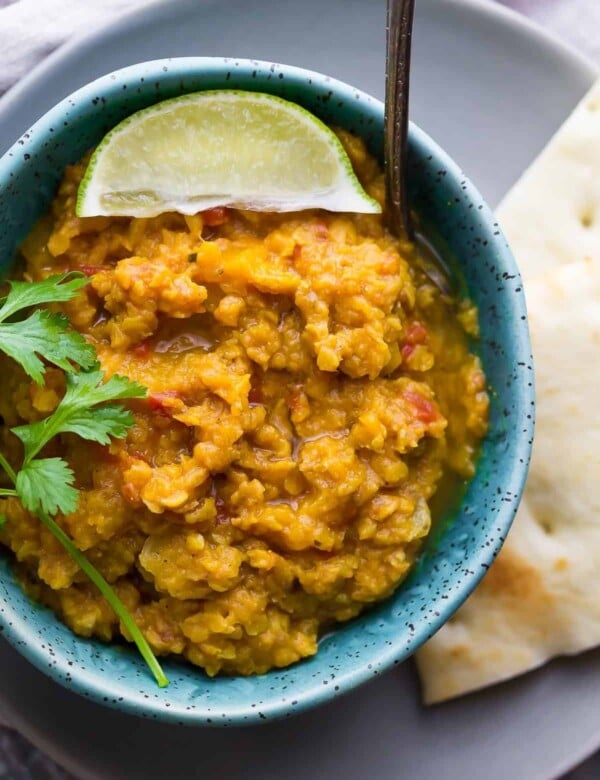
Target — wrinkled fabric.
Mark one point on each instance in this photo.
(32, 29)
(576, 22)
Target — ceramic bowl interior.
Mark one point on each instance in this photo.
(464, 548)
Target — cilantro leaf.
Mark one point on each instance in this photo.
(46, 485)
(48, 335)
(76, 413)
(54, 289)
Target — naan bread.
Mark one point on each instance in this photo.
(541, 597)
(552, 214)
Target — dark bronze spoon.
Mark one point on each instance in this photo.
(397, 81)
(400, 14)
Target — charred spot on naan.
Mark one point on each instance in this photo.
(512, 577)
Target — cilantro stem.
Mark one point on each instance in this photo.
(8, 468)
(109, 594)
(6, 492)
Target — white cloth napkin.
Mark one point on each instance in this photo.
(31, 29)
(575, 21)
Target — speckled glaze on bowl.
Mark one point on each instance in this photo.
(448, 571)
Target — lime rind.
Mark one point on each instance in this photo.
(98, 195)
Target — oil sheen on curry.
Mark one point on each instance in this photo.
(309, 388)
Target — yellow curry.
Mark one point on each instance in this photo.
(308, 388)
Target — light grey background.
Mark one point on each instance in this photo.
(31, 29)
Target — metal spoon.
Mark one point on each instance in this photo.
(400, 15)
(397, 78)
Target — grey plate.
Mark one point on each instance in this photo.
(491, 89)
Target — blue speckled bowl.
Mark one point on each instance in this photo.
(369, 645)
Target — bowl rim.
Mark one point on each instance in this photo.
(19, 633)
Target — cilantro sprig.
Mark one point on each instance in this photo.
(43, 334)
(45, 486)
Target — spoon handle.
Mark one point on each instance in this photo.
(397, 78)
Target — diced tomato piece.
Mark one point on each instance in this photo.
(143, 350)
(216, 216)
(90, 270)
(158, 402)
(425, 410)
(407, 350)
(416, 333)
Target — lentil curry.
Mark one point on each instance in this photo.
(308, 388)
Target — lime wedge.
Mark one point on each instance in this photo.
(220, 148)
